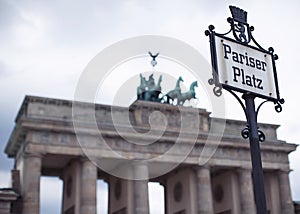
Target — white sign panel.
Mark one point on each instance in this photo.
(245, 68)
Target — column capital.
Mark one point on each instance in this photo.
(83, 159)
(89, 159)
(163, 182)
(33, 154)
(243, 170)
(284, 171)
(139, 163)
(199, 167)
(140, 170)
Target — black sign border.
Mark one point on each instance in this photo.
(215, 68)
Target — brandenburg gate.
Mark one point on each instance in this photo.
(44, 143)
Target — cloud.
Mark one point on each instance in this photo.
(4, 179)
(51, 195)
(45, 45)
(156, 198)
(102, 196)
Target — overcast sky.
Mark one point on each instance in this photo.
(45, 45)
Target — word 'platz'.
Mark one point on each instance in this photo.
(245, 68)
(238, 73)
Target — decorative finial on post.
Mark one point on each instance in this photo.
(153, 62)
(240, 28)
(238, 14)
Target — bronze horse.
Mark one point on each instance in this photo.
(187, 95)
(173, 94)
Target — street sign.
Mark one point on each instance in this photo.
(238, 66)
(244, 68)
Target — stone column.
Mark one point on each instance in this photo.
(204, 192)
(286, 202)
(246, 191)
(141, 202)
(88, 187)
(31, 173)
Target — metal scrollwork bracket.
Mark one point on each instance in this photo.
(217, 89)
(261, 136)
(277, 107)
(245, 132)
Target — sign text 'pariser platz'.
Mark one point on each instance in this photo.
(244, 68)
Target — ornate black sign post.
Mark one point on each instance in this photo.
(250, 70)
